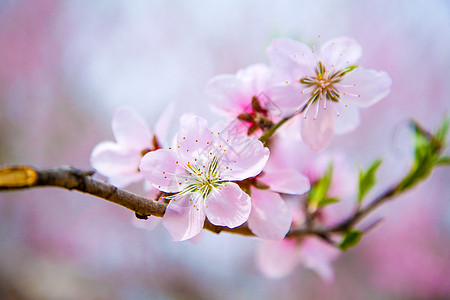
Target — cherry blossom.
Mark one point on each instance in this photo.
(198, 173)
(244, 96)
(119, 161)
(270, 217)
(277, 259)
(325, 85)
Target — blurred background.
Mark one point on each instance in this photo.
(65, 66)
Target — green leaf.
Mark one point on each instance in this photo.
(428, 148)
(444, 160)
(326, 201)
(441, 134)
(351, 238)
(318, 192)
(367, 179)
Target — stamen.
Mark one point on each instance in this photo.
(317, 111)
(307, 90)
(351, 95)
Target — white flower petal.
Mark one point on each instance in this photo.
(162, 168)
(339, 53)
(164, 122)
(195, 139)
(363, 87)
(286, 181)
(130, 130)
(256, 77)
(244, 158)
(317, 255)
(270, 217)
(318, 133)
(183, 218)
(228, 205)
(292, 57)
(228, 95)
(288, 97)
(278, 259)
(348, 118)
(119, 165)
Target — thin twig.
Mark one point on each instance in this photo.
(24, 177)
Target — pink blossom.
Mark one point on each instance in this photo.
(343, 185)
(244, 96)
(198, 171)
(119, 160)
(270, 217)
(325, 85)
(277, 259)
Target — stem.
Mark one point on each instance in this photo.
(25, 177)
(274, 128)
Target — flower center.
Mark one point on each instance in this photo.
(257, 116)
(322, 85)
(203, 179)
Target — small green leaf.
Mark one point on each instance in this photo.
(367, 179)
(327, 201)
(351, 238)
(441, 134)
(444, 160)
(428, 148)
(318, 192)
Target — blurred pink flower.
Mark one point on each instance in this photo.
(244, 96)
(199, 170)
(270, 217)
(277, 259)
(325, 78)
(119, 161)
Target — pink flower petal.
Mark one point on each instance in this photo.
(318, 133)
(244, 158)
(340, 53)
(184, 219)
(161, 169)
(130, 130)
(286, 181)
(348, 118)
(363, 87)
(317, 255)
(278, 259)
(228, 95)
(228, 205)
(164, 122)
(194, 140)
(292, 57)
(270, 217)
(256, 77)
(119, 165)
(288, 97)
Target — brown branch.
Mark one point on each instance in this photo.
(24, 177)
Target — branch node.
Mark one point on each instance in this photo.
(141, 217)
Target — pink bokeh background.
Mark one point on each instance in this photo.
(65, 66)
